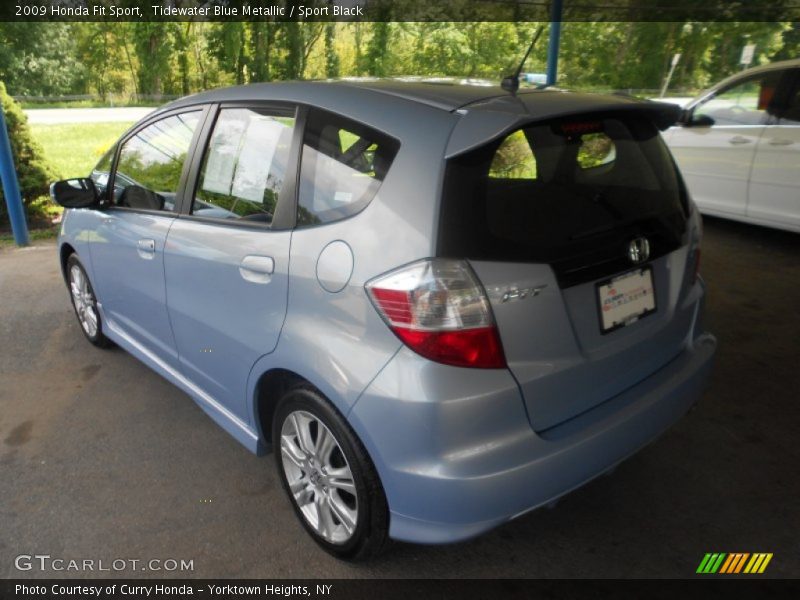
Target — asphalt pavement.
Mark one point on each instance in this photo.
(101, 459)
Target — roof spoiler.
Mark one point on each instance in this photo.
(480, 124)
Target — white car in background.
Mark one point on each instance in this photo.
(738, 147)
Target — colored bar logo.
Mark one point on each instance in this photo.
(734, 563)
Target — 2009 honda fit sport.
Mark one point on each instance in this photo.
(442, 306)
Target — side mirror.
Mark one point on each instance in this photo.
(700, 121)
(75, 193)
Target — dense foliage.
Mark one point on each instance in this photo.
(33, 172)
(125, 59)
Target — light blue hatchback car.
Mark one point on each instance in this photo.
(442, 305)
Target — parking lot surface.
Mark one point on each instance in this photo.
(102, 459)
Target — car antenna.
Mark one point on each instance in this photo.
(511, 82)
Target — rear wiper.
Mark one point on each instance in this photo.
(600, 198)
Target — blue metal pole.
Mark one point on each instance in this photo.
(16, 213)
(555, 38)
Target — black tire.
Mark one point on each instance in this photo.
(95, 336)
(371, 529)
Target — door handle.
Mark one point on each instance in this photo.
(257, 269)
(780, 142)
(738, 139)
(146, 248)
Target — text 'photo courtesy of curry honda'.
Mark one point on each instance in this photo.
(440, 306)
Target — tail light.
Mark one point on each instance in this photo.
(438, 308)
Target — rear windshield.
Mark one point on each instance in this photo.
(571, 192)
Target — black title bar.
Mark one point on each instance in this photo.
(398, 10)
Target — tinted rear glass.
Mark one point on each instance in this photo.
(571, 192)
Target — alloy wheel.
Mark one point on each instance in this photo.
(319, 477)
(83, 300)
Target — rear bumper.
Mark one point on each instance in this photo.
(457, 457)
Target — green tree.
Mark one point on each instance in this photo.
(40, 59)
(297, 42)
(262, 38)
(205, 57)
(153, 45)
(228, 42)
(157, 58)
(332, 62)
(33, 171)
(358, 37)
(101, 52)
(442, 49)
(377, 56)
(728, 39)
(790, 46)
(292, 44)
(183, 34)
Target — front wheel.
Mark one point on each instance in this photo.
(85, 303)
(328, 476)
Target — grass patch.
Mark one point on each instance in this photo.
(74, 148)
(34, 235)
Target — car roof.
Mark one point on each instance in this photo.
(732, 79)
(782, 64)
(775, 66)
(482, 111)
(446, 95)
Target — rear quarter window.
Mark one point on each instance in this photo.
(342, 167)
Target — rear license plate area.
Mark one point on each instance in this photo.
(625, 299)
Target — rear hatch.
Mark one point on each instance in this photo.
(577, 229)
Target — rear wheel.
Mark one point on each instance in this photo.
(328, 476)
(85, 303)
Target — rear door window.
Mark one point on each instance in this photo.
(342, 167)
(570, 192)
(245, 165)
